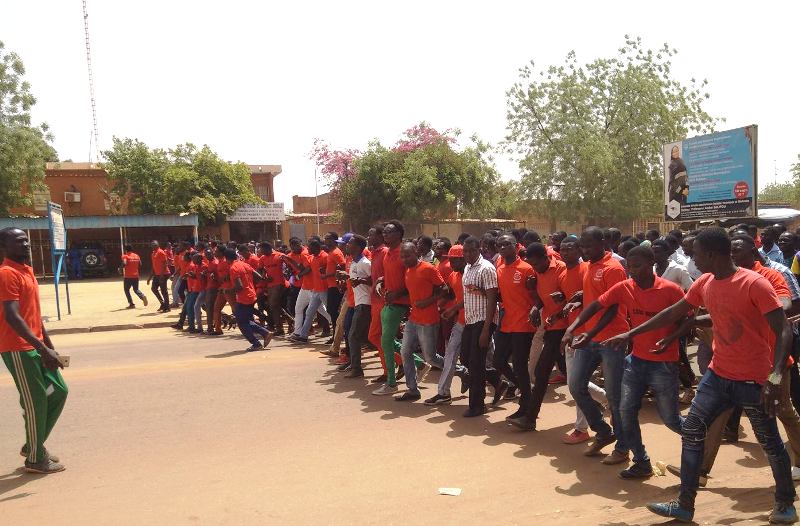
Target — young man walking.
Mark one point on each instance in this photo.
(131, 264)
(241, 276)
(334, 262)
(28, 352)
(751, 345)
(361, 282)
(159, 274)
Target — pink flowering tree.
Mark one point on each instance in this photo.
(423, 135)
(336, 166)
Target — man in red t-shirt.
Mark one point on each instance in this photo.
(751, 346)
(333, 264)
(513, 337)
(425, 286)
(275, 286)
(312, 295)
(602, 273)
(212, 288)
(379, 249)
(241, 276)
(131, 264)
(159, 274)
(650, 365)
(225, 292)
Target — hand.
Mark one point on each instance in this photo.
(771, 395)
(580, 340)
(662, 345)
(483, 339)
(569, 307)
(379, 289)
(449, 313)
(620, 341)
(566, 340)
(50, 358)
(558, 296)
(535, 317)
(427, 302)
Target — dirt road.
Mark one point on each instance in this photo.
(162, 428)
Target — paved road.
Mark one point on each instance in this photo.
(162, 428)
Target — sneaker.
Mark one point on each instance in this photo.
(131, 306)
(45, 467)
(615, 457)
(144, 301)
(783, 513)
(408, 396)
(254, 347)
(599, 444)
(343, 367)
(672, 510)
(676, 470)
(343, 359)
(511, 392)
(524, 423)
(356, 372)
(379, 380)
(499, 389)
(472, 413)
(438, 399)
(637, 471)
(423, 371)
(557, 379)
(384, 390)
(24, 453)
(576, 437)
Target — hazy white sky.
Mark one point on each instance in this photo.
(258, 81)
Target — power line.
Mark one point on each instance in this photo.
(91, 85)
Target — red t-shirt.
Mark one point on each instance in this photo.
(211, 270)
(378, 255)
(775, 279)
(643, 304)
(223, 274)
(445, 269)
(318, 265)
(18, 283)
(600, 277)
(335, 258)
(420, 281)
(552, 252)
(301, 259)
(349, 294)
(193, 284)
(273, 268)
(456, 284)
(517, 302)
(243, 271)
(572, 283)
(742, 337)
(131, 262)
(158, 258)
(548, 282)
(394, 274)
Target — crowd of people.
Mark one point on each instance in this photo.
(612, 315)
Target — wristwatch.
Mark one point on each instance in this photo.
(775, 378)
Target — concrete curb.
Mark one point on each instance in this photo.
(105, 328)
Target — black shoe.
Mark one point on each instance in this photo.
(355, 372)
(511, 392)
(516, 414)
(131, 306)
(438, 400)
(637, 471)
(499, 389)
(524, 423)
(177, 327)
(465, 383)
(379, 380)
(329, 341)
(193, 330)
(598, 444)
(408, 396)
(344, 367)
(472, 413)
(45, 467)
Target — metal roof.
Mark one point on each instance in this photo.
(77, 222)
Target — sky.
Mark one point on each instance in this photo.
(259, 81)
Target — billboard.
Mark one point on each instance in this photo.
(58, 233)
(257, 213)
(711, 176)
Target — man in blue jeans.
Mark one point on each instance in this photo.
(648, 366)
(751, 344)
(602, 273)
(425, 286)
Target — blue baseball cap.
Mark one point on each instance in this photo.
(345, 239)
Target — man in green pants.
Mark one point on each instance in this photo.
(28, 352)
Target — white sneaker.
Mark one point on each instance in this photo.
(795, 473)
(423, 371)
(385, 390)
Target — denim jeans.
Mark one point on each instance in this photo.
(244, 320)
(662, 378)
(425, 336)
(451, 352)
(316, 303)
(188, 308)
(597, 392)
(714, 395)
(584, 363)
(359, 329)
(198, 309)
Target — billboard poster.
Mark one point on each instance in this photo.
(711, 176)
(58, 233)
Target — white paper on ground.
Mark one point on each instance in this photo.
(455, 492)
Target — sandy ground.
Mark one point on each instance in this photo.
(162, 428)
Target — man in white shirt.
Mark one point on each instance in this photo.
(668, 269)
(361, 281)
(688, 250)
(677, 254)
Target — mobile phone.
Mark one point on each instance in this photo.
(63, 360)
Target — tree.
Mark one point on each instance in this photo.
(24, 148)
(588, 138)
(183, 179)
(788, 192)
(422, 177)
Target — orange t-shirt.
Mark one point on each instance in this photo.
(213, 264)
(775, 279)
(742, 337)
(17, 283)
(318, 265)
(572, 283)
(456, 284)
(243, 271)
(643, 304)
(131, 262)
(335, 258)
(600, 277)
(445, 269)
(300, 259)
(512, 280)
(420, 281)
(194, 284)
(224, 274)
(394, 274)
(548, 282)
(273, 268)
(158, 258)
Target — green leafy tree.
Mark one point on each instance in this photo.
(24, 148)
(588, 138)
(183, 179)
(788, 192)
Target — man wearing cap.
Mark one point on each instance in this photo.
(335, 262)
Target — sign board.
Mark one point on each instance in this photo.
(711, 176)
(265, 212)
(58, 233)
(40, 199)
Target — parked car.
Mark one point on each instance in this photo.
(92, 260)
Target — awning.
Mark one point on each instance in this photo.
(778, 215)
(78, 222)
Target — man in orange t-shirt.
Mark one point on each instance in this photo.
(275, 284)
(334, 262)
(28, 353)
(602, 273)
(425, 286)
(241, 276)
(131, 263)
(513, 337)
(159, 274)
(312, 295)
